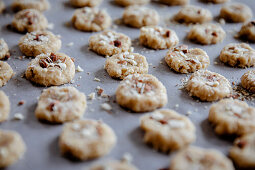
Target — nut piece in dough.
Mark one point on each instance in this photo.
(83, 3)
(131, 2)
(157, 37)
(174, 2)
(217, 1)
(2, 6)
(198, 158)
(51, 69)
(238, 54)
(4, 50)
(184, 60)
(248, 81)
(35, 43)
(208, 86)
(113, 165)
(236, 12)
(4, 107)
(61, 104)
(40, 5)
(139, 16)
(193, 14)
(109, 43)
(12, 148)
(91, 19)
(167, 130)
(207, 34)
(86, 139)
(141, 93)
(124, 64)
(248, 31)
(6, 73)
(29, 20)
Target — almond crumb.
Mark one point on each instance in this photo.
(97, 79)
(21, 102)
(79, 69)
(18, 116)
(91, 96)
(106, 107)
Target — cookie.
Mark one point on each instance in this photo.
(139, 16)
(157, 37)
(131, 2)
(109, 43)
(12, 148)
(35, 43)
(206, 34)
(6, 73)
(113, 165)
(123, 64)
(208, 86)
(4, 106)
(86, 139)
(232, 117)
(193, 14)
(238, 54)
(83, 3)
(248, 31)
(40, 5)
(51, 69)
(61, 104)
(2, 6)
(167, 130)
(174, 2)
(248, 81)
(184, 60)
(198, 158)
(29, 20)
(236, 12)
(91, 19)
(141, 93)
(217, 1)
(243, 151)
(4, 50)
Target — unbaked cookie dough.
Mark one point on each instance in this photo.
(238, 54)
(91, 19)
(243, 151)
(29, 20)
(167, 130)
(83, 3)
(4, 107)
(6, 73)
(113, 165)
(248, 81)
(194, 158)
(248, 31)
(2, 6)
(61, 104)
(157, 37)
(4, 50)
(184, 60)
(174, 2)
(193, 14)
(35, 43)
(51, 69)
(12, 148)
(86, 139)
(208, 86)
(207, 34)
(139, 16)
(108, 43)
(131, 2)
(217, 1)
(40, 5)
(123, 64)
(236, 12)
(141, 93)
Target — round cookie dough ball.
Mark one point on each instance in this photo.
(4, 50)
(4, 107)
(113, 165)
(61, 104)
(83, 3)
(236, 12)
(232, 117)
(174, 2)
(35, 43)
(208, 86)
(139, 16)
(29, 20)
(86, 139)
(12, 148)
(198, 158)
(131, 2)
(167, 130)
(40, 5)
(207, 34)
(6, 73)
(248, 81)
(141, 93)
(157, 37)
(184, 60)
(51, 69)
(2, 6)
(193, 14)
(217, 1)
(108, 43)
(91, 19)
(243, 151)
(124, 64)
(248, 31)
(238, 54)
